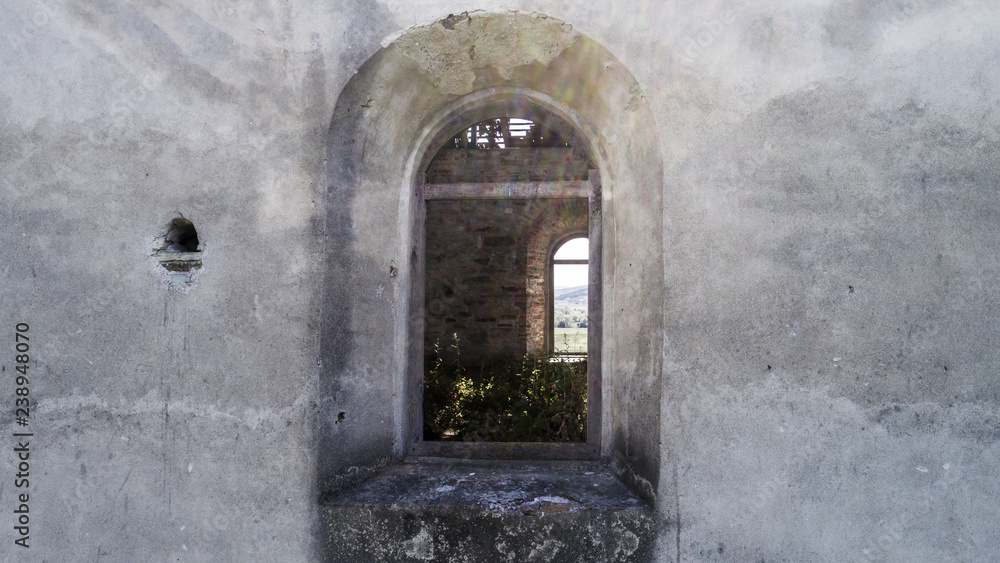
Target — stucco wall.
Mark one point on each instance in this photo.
(819, 283)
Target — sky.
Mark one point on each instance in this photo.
(571, 275)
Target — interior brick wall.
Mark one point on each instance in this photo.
(507, 165)
(565, 217)
(485, 274)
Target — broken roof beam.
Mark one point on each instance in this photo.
(511, 190)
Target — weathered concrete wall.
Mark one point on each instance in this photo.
(830, 374)
(169, 425)
(807, 244)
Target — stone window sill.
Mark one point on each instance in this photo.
(437, 509)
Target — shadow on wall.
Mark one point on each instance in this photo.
(341, 460)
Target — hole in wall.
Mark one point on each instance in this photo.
(182, 236)
(178, 251)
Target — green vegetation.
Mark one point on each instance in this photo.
(570, 318)
(570, 340)
(570, 315)
(535, 399)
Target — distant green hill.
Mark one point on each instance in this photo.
(577, 295)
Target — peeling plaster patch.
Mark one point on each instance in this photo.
(420, 546)
(410, 14)
(454, 49)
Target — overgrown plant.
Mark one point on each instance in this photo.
(539, 398)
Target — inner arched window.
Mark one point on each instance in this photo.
(570, 297)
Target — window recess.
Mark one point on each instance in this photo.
(482, 377)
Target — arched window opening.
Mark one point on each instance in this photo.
(508, 206)
(580, 82)
(570, 298)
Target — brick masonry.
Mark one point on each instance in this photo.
(507, 165)
(486, 262)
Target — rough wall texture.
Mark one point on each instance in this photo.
(831, 348)
(801, 255)
(488, 512)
